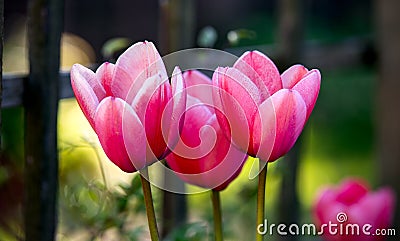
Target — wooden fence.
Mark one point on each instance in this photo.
(39, 94)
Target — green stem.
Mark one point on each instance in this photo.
(261, 198)
(216, 202)
(148, 199)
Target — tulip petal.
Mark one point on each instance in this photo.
(293, 75)
(236, 102)
(196, 116)
(148, 90)
(204, 157)
(325, 198)
(198, 85)
(290, 111)
(375, 209)
(120, 133)
(264, 130)
(105, 73)
(308, 87)
(217, 93)
(134, 67)
(385, 199)
(151, 103)
(172, 124)
(261, 70)
(224, 162)
(351, 191)
(87, 89)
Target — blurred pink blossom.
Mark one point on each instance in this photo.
(359, 206)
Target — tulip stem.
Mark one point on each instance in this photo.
(261, 197)
(148, 200)
(216, 202)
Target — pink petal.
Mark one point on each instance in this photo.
(261, 70)
(351, 192)
(199, 85)
(324, 201)
(135, 138)
(217, 93)
(236, 100)
(290, 111)
(113, 118)
(105, 73)
(172, 123)
(87, 89)
(148, 90)
(204, 157)
(385, 198)
(264, 130)
(134, 67)
(376, 208)
(308, 87)
(293, 75)
(224, 162)
(151, 103)
(196, 116)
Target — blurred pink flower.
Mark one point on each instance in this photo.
(204, 156)
(357, 205)
(131, 106)
(265, 111)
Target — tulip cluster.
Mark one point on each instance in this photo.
(204, 128)
(203, 124)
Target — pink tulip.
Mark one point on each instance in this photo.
(132, 106)
(352, 203)
(204, 156)
(265, 111)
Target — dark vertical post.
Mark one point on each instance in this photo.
(290, 39)
(176, 32)
(1, 60)
(45, 23)
(388, 115)
(176, 25)
(290, 31)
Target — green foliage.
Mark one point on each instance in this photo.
(92, 207)
(193, 231)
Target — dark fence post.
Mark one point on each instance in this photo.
(290, 40)
(1, 59)
(45, 23)
(387, 115)
(176, 25)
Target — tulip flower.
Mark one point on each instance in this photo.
(262, 111)
(353, 204)
(273, 108)
(204, 156)
(134, 111)
(132, 106)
